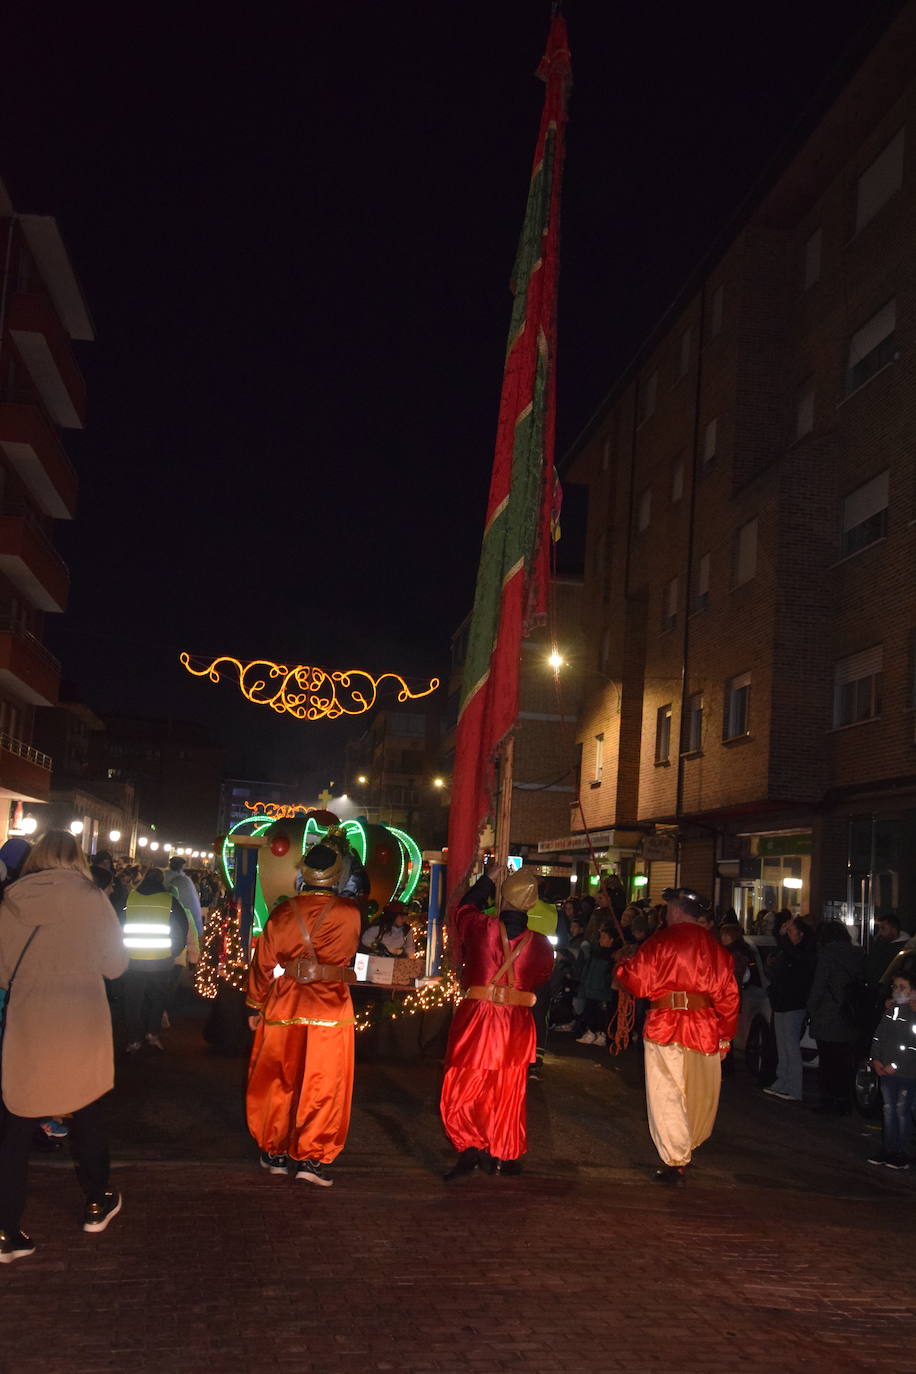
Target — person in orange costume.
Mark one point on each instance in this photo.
(300, 1078)
(689, 979)
(492, 1039)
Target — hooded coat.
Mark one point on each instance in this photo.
(58, 1054)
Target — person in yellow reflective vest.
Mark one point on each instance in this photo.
(155, 933)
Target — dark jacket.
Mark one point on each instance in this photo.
(895, 1040)
(597, 982)
(791, 975)
(838, 969)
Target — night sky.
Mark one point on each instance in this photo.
(295, 234)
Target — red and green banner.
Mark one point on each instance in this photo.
(514, 571)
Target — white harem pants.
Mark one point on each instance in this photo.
(682, 1098)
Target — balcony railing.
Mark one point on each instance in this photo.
(8, 626)
(24, 751)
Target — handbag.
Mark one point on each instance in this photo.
(5, 992)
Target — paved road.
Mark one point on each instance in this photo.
(785, 1252)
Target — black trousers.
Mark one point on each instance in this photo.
(836, 1070)
(90, 1146)
(145, 998)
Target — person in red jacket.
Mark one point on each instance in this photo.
(689, 979)
(492, 1039)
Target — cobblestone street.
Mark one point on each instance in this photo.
(779, 1255)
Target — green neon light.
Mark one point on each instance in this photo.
(227, 844)
(412, 851)
(354, 829)
(259, 919)
(640, 880)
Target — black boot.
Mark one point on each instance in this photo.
(466, 1163)
(510, 1168)
(670, 1175)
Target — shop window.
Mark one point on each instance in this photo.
(880, 181)
(857, 687)
(872, 347)
(663, 734)
(736, 722)
(865, 515)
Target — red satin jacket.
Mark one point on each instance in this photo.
(685, 958)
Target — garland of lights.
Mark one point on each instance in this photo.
(223, 958)
(302, 691)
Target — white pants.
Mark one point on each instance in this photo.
(682, 1098)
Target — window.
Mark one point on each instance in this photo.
(644, 510)
(737, 707)
(718, 301)
(804, 420)
(694, 740)
(599, 757)
(663, 734)
(648, 397)
(879, 181)
(857, 687)
(710, 441)
(677, 479)
(813, 258)
(669, 605)
(744, 565)
(865, 515)
(872, 347)
(701, 585)
(684, 359)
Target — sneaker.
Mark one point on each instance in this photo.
(15, 1245)
(535, 1073)
(897, 1162)
(313, 1171)
(275, 1164)
(153, 1041)
(600, 1038)
(134, 1047)
(54, 1129)
(587, 1039)
(564, 1030)
(783, 1097)
(99, 1214)
(877, 1157)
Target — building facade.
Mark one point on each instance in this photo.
(42, 392)
(750, 584)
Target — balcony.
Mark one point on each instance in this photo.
(25, 773)
(31, 444)
(44, 347)
(30, 561)
(27, 670)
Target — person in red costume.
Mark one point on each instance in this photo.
(300, 1079)
(492, 1039)
(689, 979)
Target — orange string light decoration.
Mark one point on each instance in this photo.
(305, 692)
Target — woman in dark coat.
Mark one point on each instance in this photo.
(791, 976)
(831, 1001)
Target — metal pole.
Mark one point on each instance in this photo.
(435, 913)
(504, 810)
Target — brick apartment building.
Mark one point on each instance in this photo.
(42, 391)
(750, 582)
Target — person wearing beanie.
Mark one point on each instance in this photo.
(492, 1038)
(688, 977)
(300, 1078)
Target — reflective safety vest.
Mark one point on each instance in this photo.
(147, 927)
(542, 917)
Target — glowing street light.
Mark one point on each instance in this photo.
(76, 827)
(792, 882)
(438, 782)
(143, 842)
(114, 836)
(362, 779)
(556, 660)
(155, 844)
(29, 825)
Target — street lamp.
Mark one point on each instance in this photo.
(362, 779)
(114, 836)
(29, 825)
(155, 844)
(556, 660)
(438, 782)
(143, 842)
(76, 827)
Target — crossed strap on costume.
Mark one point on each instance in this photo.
(504, 995)
(308, 970)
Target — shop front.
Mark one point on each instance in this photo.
(773, 874)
